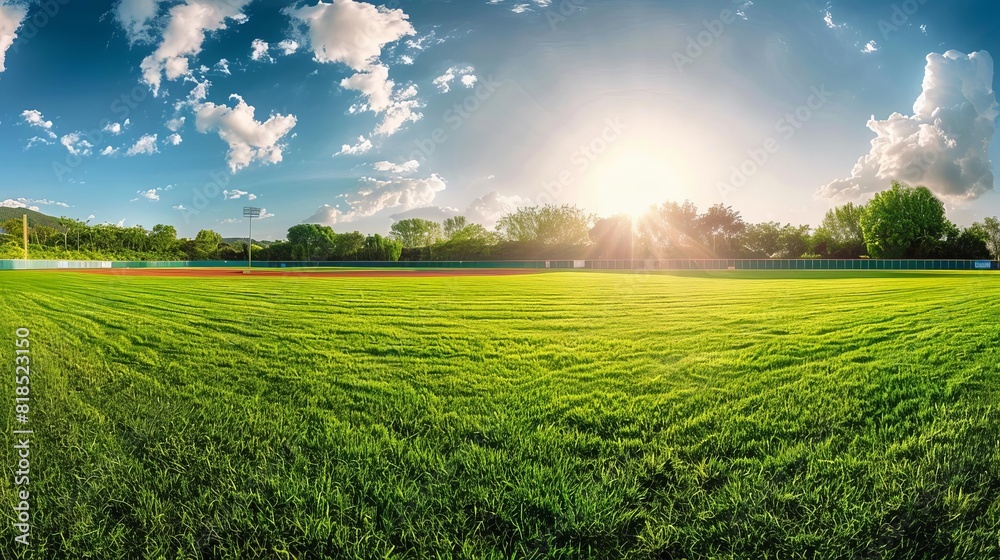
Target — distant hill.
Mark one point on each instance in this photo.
(34, 218)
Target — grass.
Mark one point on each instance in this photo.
(565, 415)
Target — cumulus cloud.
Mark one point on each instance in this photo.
(236, 194)
(259, 50)
(150, 195)
(173, 125)
(135, 17)
(491, 207)
(362, 146)
(353, 33)
(375, 84)
(184, 35)
(34, 118)
(11, 16)
(288, 46)
(109, 151)
(145, 145)
(11, 203)
(249, 140)
(944, 145)
(375, 195)
(400, 169)
(116, 128)
(174, 139)
(443, 82)
(76, 145)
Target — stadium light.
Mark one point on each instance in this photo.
(250, 212)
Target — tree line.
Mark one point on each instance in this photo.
(901, 222)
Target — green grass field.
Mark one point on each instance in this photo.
(564, 415)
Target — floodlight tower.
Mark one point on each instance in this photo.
(250, 212)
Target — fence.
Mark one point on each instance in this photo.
(647, 265)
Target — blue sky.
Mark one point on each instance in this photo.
(357, 114)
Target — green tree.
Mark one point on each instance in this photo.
(903, 222)
(306, 241)
(670, 230)
(989, 231)
(613, 238)
(454, 225)
(206, 245)
(839, 236)
(548, 225)
(163, 238)
(416, 232)
(348, 246)
(721, 227)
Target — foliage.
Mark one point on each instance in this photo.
(903, 222)
(548, 225)
(416, 232)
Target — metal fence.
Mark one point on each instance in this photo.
(647, 265)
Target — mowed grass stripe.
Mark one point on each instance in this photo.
(561, 415)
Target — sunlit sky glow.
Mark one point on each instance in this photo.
(182, 112)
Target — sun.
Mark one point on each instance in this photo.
(629, 181)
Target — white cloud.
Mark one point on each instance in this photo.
(828, 18)
(109, 151)
(374, 195)
(443, 82)
(179, 207)
(76, 145)
(36, 140)
(401, 169)
(184, 36)
(944, 145)
(248, 139)
(11, 16)
(353, 33)
(870, 47)
(149, 195)
(375, 84)
(264, 214)
(260, 49)
(43, 202)
(491, 207)
(135, 16)
(223, 66)
(362, 146)
(11, 203)
(116, 128)
(469, 81)
(236, 194)
(406, 59)
(174, 139)
(288, 46)
(145, 145)
(174, 125)
(34, 118)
